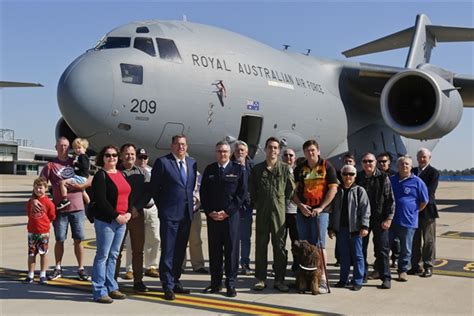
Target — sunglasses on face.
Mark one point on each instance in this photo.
(383, 161)
(288, 155)
(107, 155)
(367, 161)
(345, 174)
(143, 157)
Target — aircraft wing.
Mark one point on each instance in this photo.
(369, 80)
(12, 84)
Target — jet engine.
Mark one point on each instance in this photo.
(420, 104)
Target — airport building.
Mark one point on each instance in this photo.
(18, 156)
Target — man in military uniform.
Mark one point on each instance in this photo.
(271, 184)
(223, 190)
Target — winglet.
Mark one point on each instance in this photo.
(421, 39)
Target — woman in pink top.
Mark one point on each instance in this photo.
(111, 194)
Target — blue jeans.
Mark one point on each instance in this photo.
(350, 247)
(109, 238)
(246, 220)
(307, 229)
(75, 219)
(405, 235)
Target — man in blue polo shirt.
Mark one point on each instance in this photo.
(411, 197)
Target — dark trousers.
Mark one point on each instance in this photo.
(136, 229)
(292, 230)
(381, 242)
(174, 239)
(424, 252)
(223, 239)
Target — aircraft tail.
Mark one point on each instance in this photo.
(421, 39)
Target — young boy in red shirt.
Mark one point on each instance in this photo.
(38, 227)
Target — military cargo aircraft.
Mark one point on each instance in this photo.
(146, 81)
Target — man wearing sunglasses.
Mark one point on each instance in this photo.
(379, 189)
(383, 163)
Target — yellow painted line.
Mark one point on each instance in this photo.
(453, 273)
(187, 300)
(457, 237)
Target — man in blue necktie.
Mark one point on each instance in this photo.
(172, 183)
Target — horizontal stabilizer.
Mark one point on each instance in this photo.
(394, 41)
(421, 39)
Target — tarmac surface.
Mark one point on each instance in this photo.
(449, 292)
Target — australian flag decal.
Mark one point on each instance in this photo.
(253, 105)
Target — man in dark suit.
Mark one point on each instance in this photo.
(427, 219)
(223, 190)
(172, 181)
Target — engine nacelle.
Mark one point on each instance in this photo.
(63, 130)
(421, 105)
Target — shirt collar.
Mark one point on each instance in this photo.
(178, 160)
(224, 165)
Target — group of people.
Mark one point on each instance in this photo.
(304, 198)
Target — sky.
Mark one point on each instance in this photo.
(39, 39)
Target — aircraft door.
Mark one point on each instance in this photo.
(250, 132)
(169, 130)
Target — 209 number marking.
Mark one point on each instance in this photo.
(143, 106)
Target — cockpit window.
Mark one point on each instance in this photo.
(114, 42)
(168, 50)
(142, 29)
(132, 73)
(145, 44)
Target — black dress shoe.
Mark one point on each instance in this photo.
(427, 273)
(212, 289)
(231, 292)
(202, 271)
(169, 295)
(181, 290)
(414, 271)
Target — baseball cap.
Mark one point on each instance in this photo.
(142, 153)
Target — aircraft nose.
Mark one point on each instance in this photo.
(85, 93)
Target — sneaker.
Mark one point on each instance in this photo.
(64, 203)
(374, 275)
(83, 275)
(246, 270)
(140, 287)
(152, 272)
(28, 280)
(128, 275)
(259, 286)
(117, 295)
(43, 281)
(56, 274)
(403, 277)
(105, 300)
(323, 287)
